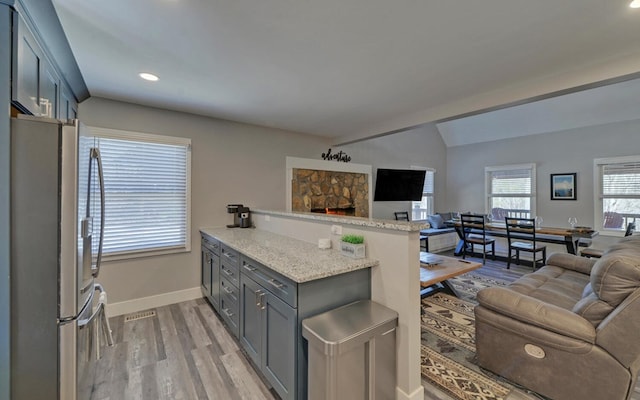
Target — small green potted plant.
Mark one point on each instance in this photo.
(352, 246)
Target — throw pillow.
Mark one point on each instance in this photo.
(436, 221)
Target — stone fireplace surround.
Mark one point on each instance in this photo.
(342, 193)
(328, 187)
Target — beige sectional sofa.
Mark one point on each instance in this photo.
(570, 330)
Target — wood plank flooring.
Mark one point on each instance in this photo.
(185, 353)
(182, 353)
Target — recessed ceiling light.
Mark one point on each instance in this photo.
(635, 4)
(148, 76)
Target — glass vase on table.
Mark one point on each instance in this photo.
(539, 221)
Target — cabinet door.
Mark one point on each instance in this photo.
(205, 272)
(25, 88)
(49, 90)
(279, 345)
(251, 295)
(215, 282)
(68, 106)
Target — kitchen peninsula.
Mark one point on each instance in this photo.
(263, 285)
(395, 281)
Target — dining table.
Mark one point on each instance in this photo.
(565, 236)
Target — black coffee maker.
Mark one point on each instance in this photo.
(241, 216)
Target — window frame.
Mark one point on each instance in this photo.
(118, 134)
(488, 195)
(431, 195)
(598, 196)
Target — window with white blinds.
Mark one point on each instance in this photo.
(511, 191)
(147, 193)
(617, 193)
(420, 210)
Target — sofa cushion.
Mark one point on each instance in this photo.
(436, 221)
(616, 275)
(591, 308)
(554, 285)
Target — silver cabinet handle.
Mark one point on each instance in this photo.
(228, 272)
(276, 284)
(226, 289)
(249, 268)
(261, 304)
(227, 312)
(257, 294)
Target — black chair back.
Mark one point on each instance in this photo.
(521, 229)
(473, 222)
(631, 226)
(401, 215)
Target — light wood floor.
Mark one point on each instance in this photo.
(183, 352)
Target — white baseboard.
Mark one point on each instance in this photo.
(145, 303)
(417, 394)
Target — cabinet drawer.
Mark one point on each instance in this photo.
(281, 286)
(211, 243)
(229, 272)
(228, 289)
(229, 254)
(229, 313)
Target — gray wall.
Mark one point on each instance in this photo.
(5, 212)
(231, 163)
(558, 152)
(421, 146)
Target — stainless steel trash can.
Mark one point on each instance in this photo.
(352, 352)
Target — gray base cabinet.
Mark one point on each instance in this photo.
(210, 271)
(264, 310)
(272, 308)
(267, 332)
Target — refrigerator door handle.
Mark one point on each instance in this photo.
(95, 154)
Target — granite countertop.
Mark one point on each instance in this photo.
(406, 226)
(293, 258)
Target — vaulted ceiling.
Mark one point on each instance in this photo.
(347, 69)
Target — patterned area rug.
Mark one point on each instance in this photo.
(468, 285)
(448, 343)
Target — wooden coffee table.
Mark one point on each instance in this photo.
(435, 269)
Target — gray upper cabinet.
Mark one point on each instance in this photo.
(49, 90)
(68, 105)
(36, 86)
(27, 60)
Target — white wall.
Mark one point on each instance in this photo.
(231, 163)
(558, 152)
(395, 283)
(421, 146)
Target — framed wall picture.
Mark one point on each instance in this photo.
(563, 186)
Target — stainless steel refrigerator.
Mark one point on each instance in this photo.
(57, 226)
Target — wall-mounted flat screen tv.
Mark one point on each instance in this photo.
(399, 185)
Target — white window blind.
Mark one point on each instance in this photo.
(510, 191)
(420, 210)
(147, 190)
(618, 193)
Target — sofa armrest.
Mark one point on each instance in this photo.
(572, 262)
(535, 312)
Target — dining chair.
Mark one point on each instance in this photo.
(474, 233)
(401, 215)
(521, 236)
(591, 252)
